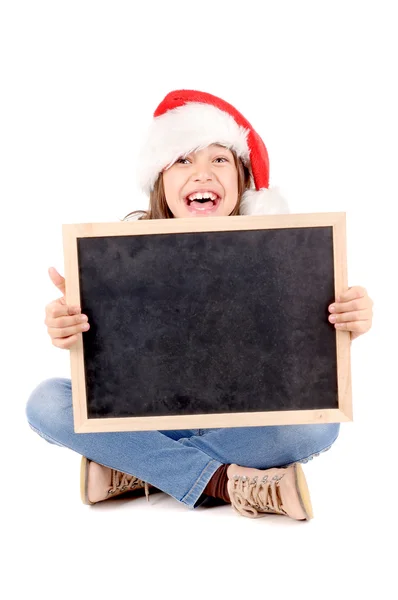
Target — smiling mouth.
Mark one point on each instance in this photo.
(202, 204)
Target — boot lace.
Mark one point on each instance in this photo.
(122, 482)
(251, 496)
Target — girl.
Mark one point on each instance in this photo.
(201, 158)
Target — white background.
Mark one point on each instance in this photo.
(79, 84)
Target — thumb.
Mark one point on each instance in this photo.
(57, 279)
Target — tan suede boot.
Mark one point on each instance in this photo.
(281, 491)
(98, 483)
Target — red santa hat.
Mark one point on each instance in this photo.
(188, 120)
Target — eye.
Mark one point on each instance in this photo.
(218, 158)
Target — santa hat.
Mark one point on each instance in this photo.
(188, 120)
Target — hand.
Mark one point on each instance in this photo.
(352, 312)
(64, 323)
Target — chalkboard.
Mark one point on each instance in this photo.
(216, 322)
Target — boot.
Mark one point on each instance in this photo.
(98, 483)
(282, 491)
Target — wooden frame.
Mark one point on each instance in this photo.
(71, 232)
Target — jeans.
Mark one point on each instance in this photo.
(178, 462)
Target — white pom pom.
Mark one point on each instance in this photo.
(266, 201)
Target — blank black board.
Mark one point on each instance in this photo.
(208, 322)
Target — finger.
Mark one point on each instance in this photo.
(63, 332)
(357, 326)
(353, 305)
(56, 309)
(70, 321)
(58, 301)
(57, 279)
(353, 292)
(357, 315)
(65, 343)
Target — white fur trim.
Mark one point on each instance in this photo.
(182, 130)
(267, 201)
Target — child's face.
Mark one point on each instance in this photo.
(211, 169)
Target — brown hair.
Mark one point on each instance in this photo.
(159, 209)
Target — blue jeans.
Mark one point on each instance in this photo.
(179, 462)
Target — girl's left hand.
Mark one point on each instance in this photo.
(352, 311)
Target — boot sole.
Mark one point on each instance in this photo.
(84, 480)
(303, 491)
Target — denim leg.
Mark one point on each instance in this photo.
(179, 462)
(157, 457)
(265, 447)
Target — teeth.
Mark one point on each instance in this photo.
(199, 196)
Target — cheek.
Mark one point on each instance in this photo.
(167, 184)
(232, 187)
(170, 181)
(171, 190)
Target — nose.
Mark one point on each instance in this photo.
(202, 173)
(202, 176)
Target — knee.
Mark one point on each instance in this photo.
(49, 404)
(302, 442)
(319, 437)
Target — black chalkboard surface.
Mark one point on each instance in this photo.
(220, 327)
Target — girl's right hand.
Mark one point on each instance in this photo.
(64, 322)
